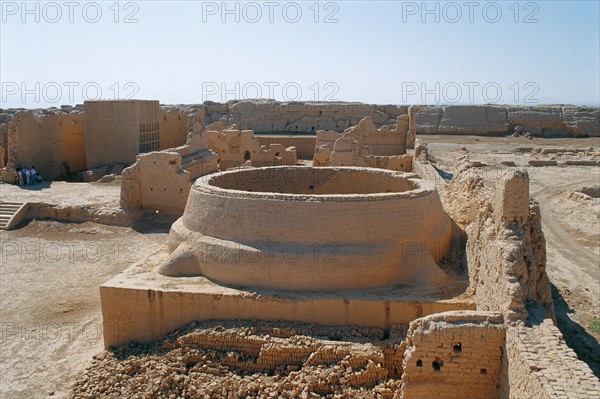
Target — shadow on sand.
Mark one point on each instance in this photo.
(36, 187)
(585, 346)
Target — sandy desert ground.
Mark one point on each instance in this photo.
(50, 271)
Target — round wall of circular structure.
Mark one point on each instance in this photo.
(311, 229)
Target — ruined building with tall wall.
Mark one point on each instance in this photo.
(54, 140)
(116, 131)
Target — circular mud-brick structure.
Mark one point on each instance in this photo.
(311, 229)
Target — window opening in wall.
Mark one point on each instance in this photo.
(437, 364)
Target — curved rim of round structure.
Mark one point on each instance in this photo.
(422, 188)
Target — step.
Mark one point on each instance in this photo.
(11, 214)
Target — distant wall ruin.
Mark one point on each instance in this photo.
(116, 131)
(298, 117)
(305, 145)
(53, 143)
(543, 120)
(307, 117)
(173, 127)
(236, 147)
(365, 145)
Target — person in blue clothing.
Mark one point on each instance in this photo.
(33, 175)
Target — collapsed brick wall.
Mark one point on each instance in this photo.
(506, 249)
(257, 353)
(422, 167)
(305, 145)
(221, 358)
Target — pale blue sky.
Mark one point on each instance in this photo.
(376, 52)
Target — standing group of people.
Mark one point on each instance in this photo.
(27, 176)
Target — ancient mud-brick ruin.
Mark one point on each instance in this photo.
(337, 261)
(109, 127)
(365, 145)
(236, 147)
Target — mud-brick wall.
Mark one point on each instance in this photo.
(156, 182)
(537, 363)
(116, 131)
(506, 251)
(454, 355)
(542, 120)
(173, 127)
(53, 143)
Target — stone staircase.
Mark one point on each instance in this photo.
(11, 214)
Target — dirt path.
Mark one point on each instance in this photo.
(64, 193)
(573, 261)
(50, 303)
